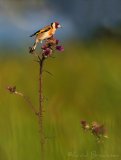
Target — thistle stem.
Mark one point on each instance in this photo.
(40, 115)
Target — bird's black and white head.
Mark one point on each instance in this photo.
(56, 25)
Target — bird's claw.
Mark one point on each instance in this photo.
(31, 50)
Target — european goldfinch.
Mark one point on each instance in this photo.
(45, 33)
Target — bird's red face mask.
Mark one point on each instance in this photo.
(57, 25)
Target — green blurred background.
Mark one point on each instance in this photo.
(86, 81)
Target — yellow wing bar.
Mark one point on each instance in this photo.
(45, 29)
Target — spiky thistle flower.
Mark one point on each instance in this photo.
(98, 130)
(49, 47)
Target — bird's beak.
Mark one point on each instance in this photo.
(59, 26)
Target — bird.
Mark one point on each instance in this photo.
(45, 33)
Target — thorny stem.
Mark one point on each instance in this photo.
(40, 115)
(40, 111)
(30, 104)
(27, 101)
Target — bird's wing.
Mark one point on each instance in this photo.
(45, 29)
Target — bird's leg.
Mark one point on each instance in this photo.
(32, 49)
(35, 44)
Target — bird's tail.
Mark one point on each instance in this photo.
(33, 35)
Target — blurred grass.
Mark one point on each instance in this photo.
(86, 85)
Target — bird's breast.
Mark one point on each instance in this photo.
(52, 31)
